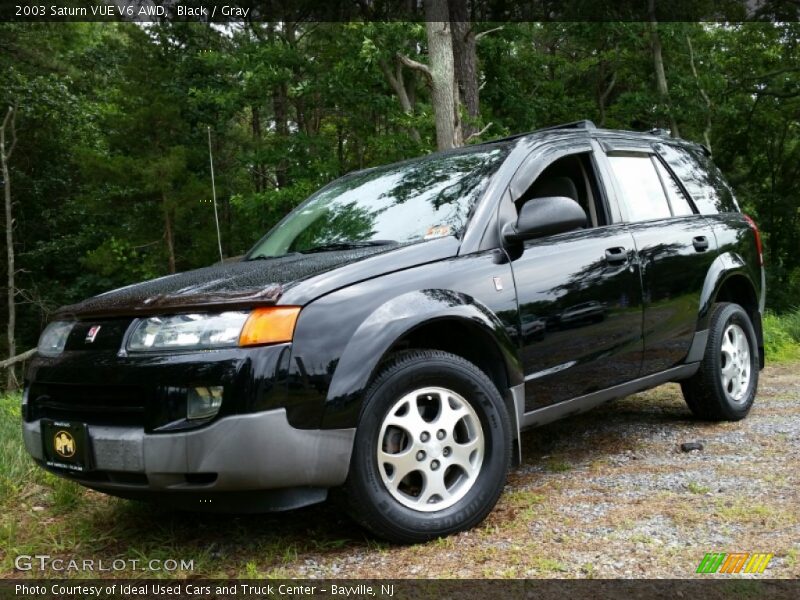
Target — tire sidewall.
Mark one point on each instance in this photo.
(486, 402)
(734, 314)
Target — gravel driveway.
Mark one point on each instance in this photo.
(611, 494)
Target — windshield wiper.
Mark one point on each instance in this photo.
(265, 257)
(348, 245)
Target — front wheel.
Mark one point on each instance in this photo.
(724, 388)
(432, 448)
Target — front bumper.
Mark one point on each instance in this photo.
(254, 452)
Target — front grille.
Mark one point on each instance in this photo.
(92, 404)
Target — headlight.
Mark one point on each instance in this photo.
(188, 332)
(224, 330)
(54, 338)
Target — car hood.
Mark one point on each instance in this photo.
(245, 284)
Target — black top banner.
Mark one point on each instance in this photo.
(210, 11)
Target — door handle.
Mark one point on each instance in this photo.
(616, 256)
(700, 243)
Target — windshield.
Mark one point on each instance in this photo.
(398, 204)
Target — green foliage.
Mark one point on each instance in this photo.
(113, 127)
(782, 336)
(17, 465)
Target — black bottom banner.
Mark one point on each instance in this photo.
(401, 589)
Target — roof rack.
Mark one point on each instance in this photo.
(585, 124)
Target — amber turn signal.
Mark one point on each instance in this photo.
(269, 325)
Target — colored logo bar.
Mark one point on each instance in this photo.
(736, 562)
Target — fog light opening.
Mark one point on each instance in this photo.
(200, 478)
(203, 402)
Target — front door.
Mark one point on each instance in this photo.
(579, 294)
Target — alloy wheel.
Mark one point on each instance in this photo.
(430, 449)
(735, 363)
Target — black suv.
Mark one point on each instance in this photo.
(395, 332)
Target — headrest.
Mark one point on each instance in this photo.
(555, 186)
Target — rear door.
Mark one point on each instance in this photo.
(675, 246)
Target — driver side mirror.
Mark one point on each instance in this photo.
(545, 216)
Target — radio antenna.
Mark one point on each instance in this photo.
(214, 194)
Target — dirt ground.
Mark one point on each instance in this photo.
(607, 494)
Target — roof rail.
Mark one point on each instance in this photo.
(585, 124)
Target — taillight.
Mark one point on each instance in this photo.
(754, 227)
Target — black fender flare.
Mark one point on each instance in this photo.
(725, 266)
(396, 318)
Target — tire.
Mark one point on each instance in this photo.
(725, 386)
(470, 461)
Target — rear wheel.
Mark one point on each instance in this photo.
(432, 448)
(724, 388)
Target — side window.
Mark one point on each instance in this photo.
(700, 177)
(677, 199)
(572, 176)
(640, 186)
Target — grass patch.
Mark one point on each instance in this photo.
(782, 336)
(548, 565)
(742, 511)
(558, 466)
(17, 466)
(696, 488)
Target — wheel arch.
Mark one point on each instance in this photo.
(462, 337)
(729, 280)
(435, 319)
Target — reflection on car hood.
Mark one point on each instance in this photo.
(231, 285)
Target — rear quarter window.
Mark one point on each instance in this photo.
(701, 178)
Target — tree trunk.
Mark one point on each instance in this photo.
(280, 109)
(444, 94)
(658, 63)
(258, 167)
(465, 59)
(5, 155)
(706, 99)
(398, 84)
(603, 92)
(340, 147)
(169, 218)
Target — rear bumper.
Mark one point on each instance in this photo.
(255, 453)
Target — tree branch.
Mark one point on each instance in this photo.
(694, 72)
(769, 74)
(387, 72)
(478, 134)
(779, 95)
(11, 116)
(605, 93)
(17, 359)
(418, 66)
(706, 98)
(481, 34)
